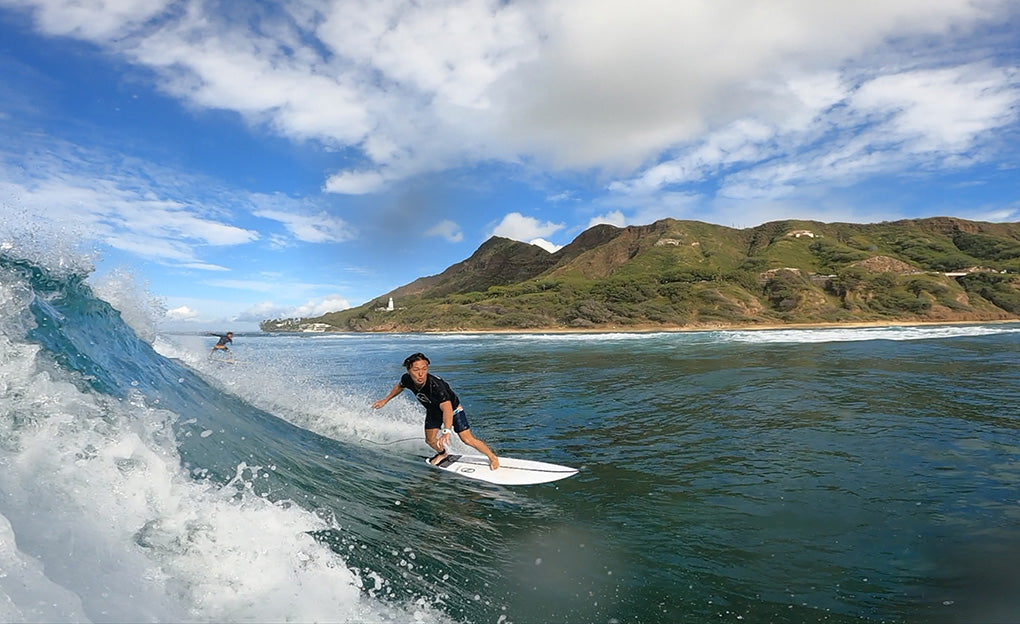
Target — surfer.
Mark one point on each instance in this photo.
(443, 412)
(222, 344)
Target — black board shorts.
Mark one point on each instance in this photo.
(460, 421)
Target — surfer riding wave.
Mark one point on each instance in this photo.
(221, 345)
(443, 412)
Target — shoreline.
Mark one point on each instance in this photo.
(655, 329)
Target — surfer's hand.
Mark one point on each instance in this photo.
(379, 404)
(444, 440)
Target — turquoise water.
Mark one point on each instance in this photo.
(834, 475)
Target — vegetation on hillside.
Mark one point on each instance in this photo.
(690, 274)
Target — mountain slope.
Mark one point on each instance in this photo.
(691, 274)
(499, 261)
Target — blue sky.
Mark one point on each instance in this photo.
(251, 160)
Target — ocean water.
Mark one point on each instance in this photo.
(836, 475)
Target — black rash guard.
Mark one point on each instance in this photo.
(434, 392)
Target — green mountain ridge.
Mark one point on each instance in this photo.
(688, 274)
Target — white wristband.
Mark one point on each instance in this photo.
(445, 431)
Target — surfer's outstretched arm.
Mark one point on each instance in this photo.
(397, 389)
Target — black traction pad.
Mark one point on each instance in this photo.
(449, 459)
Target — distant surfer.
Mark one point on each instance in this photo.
(443, 412)
(225, 339)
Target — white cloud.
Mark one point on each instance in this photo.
(898, 122)
(562, 196)
(251, 285)
(450, 50)
(943, 110)
(330, 303)
(518, 227)
(156, 213)
(619, 83)
(182, 313)
(98, 20)
(412, 87)
(446, 229)
(756, 101)
(546, 245)
(136, 220)
(313, 307)
(743, 141)
(320, 228)
(612, 218)
(356, 182)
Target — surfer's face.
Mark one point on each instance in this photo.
(419, 371)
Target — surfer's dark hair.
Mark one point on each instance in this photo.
(414, 357)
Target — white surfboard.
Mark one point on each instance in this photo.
(510, 472)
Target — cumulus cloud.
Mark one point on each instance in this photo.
(614, 217)
(97, 21)
(659, 99)
(677, 89)
(546, 245)
(357, 182)
(519, 227)
(898, 122)
(182, 313)
(621, 82)
(448, 230)
(530, 230)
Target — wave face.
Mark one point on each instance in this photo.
(134, 489)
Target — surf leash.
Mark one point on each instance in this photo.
(388, 443)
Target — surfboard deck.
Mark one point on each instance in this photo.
(510, 472)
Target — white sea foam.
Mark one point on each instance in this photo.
(62, 248)
(852, 334)
(100, 522)
(290, 389)
(793, 335)
(140, 309)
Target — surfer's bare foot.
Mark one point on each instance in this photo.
(493, 462)
(438, 457)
